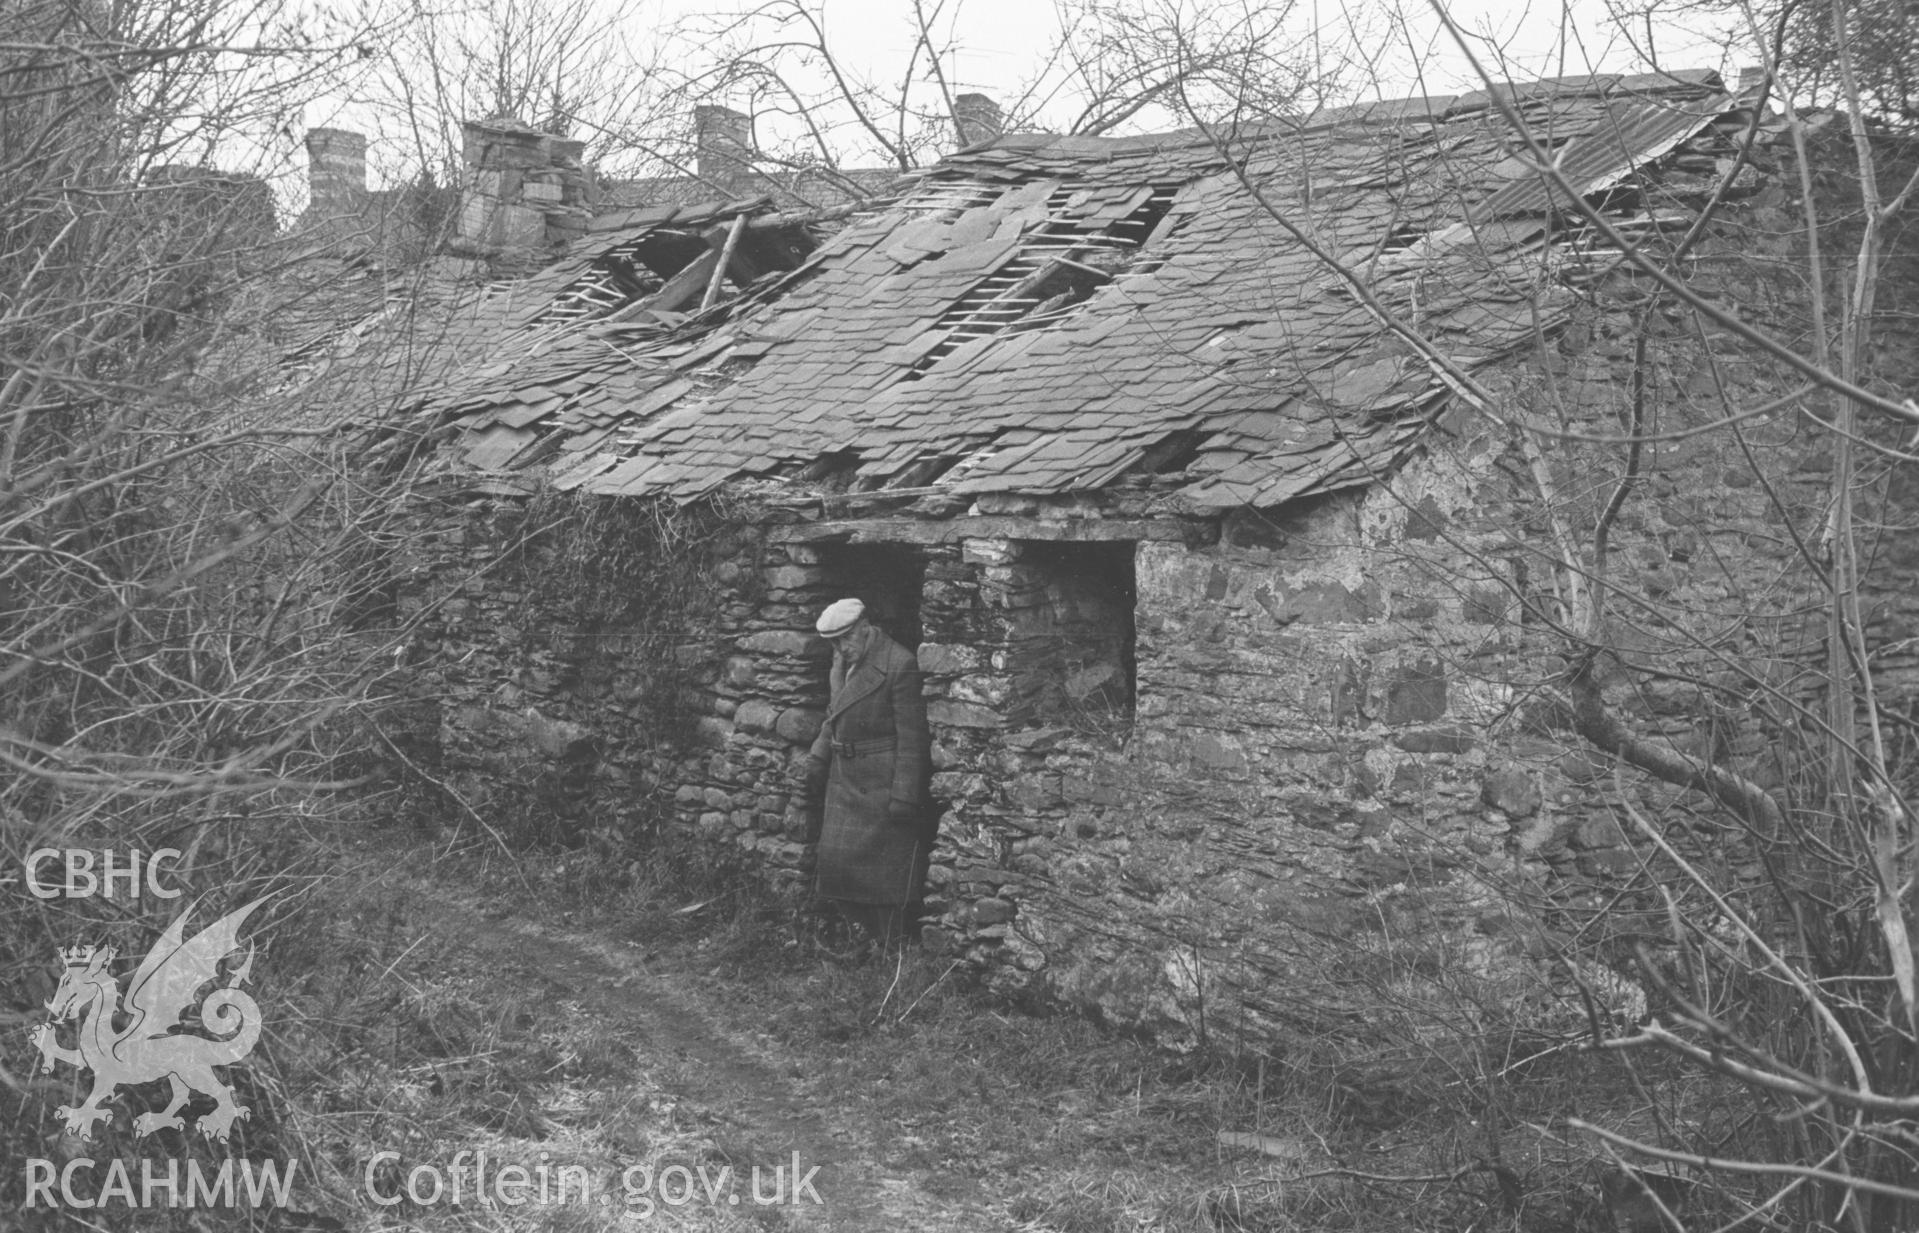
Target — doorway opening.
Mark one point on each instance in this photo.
(886, 578)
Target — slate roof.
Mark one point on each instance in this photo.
(366, 343)
(1052, 315)
(791, 188)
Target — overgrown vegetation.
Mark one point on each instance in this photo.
(638, 577)
(183, 654)
(430, 1002)
(611, 605)
(193, 621)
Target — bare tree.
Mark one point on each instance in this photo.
(1126, 64)
(1762, 767)
(577, 70)
(1111, 66)
(179, 577)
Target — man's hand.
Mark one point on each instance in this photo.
(902, 813)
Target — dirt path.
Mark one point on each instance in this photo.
(768, 1099)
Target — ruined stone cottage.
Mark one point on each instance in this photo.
(1217, 478)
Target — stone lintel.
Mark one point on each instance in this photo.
(1191, 531)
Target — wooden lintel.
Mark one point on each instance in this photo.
(998, 526)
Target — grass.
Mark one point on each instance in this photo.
(1069, 1126)
(1045, 1121)
(520, 1034)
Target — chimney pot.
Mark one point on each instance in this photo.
(978, 119)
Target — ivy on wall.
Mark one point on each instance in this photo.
(639, 579)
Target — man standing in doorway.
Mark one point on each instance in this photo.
(872, 760)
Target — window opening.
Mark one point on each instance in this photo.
(1073, 642)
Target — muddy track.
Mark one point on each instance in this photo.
(761, 1094)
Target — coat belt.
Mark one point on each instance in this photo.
(855, 749)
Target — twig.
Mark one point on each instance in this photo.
(1756, 1167)
(451, 792)
(922, 997)
(1361, 1175)
(899, 966)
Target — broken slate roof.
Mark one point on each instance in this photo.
(1053, 315)
(802, 187)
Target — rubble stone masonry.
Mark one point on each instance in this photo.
(1173, 774)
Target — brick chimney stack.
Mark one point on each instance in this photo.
(1750, 79)
(336, 173)
(723, 145)
(978, 119)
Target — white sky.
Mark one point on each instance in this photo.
(998, 45)
(1000, 41)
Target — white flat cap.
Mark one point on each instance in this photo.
(840, 616)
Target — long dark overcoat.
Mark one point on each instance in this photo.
(875, 744)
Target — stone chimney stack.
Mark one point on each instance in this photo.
(527, 192)
(723, 146)
(978, 118)
(336, 173)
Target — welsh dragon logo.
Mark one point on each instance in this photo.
(147, 1047)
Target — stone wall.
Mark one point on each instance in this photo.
(1344, 719)
(535, 706)
(1352, 722)
(1184, 779)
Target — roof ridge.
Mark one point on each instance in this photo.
(1439, 107)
